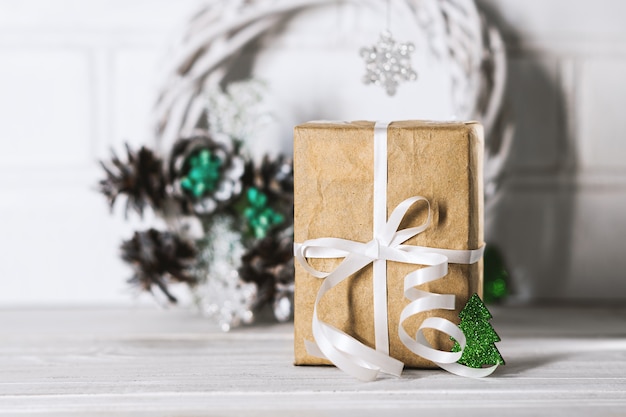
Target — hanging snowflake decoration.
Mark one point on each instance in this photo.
(388, 63)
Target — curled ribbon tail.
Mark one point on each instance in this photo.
(342, 350)
(422, 301)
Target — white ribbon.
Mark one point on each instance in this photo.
(343, 350)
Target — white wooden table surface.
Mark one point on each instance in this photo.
(145, 362)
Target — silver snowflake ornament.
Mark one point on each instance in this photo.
(388, 63)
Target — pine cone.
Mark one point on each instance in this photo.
(141, 179)
(206, 174)
(269, 264)
(158, 257)
(275, 178)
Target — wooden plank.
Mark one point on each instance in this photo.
(560, 361)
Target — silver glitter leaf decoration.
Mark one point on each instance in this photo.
(222, 295)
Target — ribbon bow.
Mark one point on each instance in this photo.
(343, 350)
(354, 357)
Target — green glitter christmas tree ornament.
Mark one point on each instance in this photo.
(203, 174)
(496, 276)
(261, 218)
(480, 349)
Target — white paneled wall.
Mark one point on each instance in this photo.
(563, 221)
(79, 77)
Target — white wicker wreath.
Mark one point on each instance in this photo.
(456, 32)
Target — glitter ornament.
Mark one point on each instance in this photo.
(283, 302)
(480, 349)
(388, 63)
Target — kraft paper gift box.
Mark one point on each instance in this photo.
(333, 197)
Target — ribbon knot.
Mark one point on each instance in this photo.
(372, 249)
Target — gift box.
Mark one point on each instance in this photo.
(334, 196)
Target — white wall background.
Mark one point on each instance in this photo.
(76, 78)
(79, 77)
(563, 221)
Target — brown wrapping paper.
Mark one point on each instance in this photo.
(333, 197)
